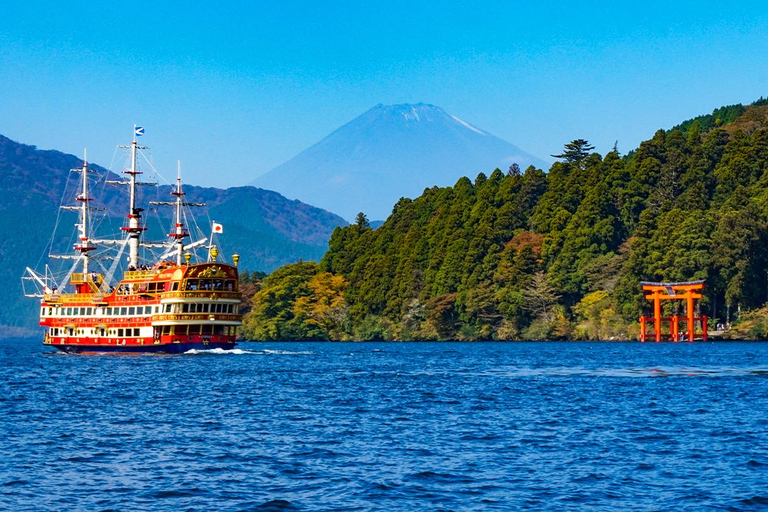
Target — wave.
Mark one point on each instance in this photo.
(288, 352)
(240, 352)
(641, 372)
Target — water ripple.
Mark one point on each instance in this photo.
(422, 426)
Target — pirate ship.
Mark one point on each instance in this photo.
(166, 304)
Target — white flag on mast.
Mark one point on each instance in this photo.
(217, 228)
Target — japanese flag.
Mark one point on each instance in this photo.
(218, 228)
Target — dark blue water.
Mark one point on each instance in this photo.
(545, 426)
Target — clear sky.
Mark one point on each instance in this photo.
(236, 88)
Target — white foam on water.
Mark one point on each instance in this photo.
(216, 351)
(287, 352)
(240, 352)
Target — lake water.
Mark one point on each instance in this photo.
(376, 426)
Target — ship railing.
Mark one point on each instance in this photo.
(205, 317)
(73, 297)
(93, 279)
(206, 294)
(135, 275)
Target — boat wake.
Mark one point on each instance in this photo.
(220, 351)
(287, 352)
(240, 352)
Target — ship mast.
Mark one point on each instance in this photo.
(179, 233)
(84, 243)
(134, 227)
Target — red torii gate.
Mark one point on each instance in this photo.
(688, 291)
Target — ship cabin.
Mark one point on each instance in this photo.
(165, 304)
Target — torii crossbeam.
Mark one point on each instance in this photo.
(688, 292)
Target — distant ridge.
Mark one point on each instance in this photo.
(265, 228)
(389, 152)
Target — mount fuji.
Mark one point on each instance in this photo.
(389, 152)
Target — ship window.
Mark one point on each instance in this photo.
(123, 311)
(203, 308)
(132, 311)
(69, 311)
(192, 284)
(119, 332)
(185, 308)
(175, 286)
(89, 311)
(140, 310)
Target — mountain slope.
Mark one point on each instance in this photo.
(556, 255)
(389, 152)
(265, 228)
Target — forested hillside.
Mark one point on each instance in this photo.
(556, 255)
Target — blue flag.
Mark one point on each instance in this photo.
(138, 130)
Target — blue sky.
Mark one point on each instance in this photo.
(235, 89)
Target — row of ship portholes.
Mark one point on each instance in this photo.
(139, 310)
(99, 331)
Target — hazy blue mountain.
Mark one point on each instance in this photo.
(389, 152)
(267, 229)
